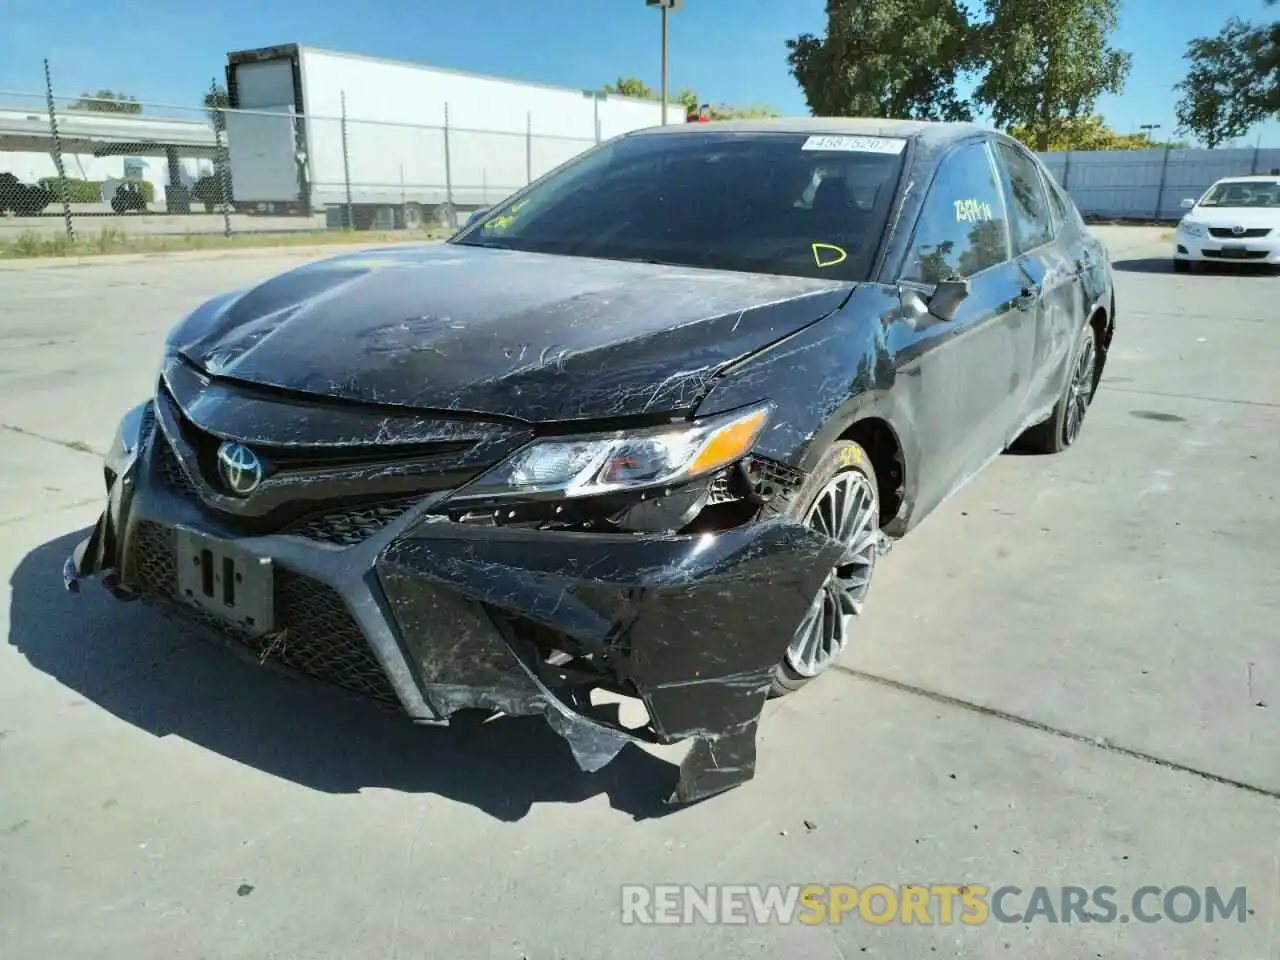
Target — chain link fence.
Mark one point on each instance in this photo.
(1150, 185)
(113, 172)
(87, 170)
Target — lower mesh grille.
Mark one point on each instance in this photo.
(351, 525)
(316, 633)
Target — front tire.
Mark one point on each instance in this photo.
(840, 499)
(1181, 266)
(1067, 420)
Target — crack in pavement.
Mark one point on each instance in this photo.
(1100, 743)
(79, 446)
(1192, 396)
(44, 513)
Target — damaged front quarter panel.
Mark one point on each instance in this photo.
(690, 625)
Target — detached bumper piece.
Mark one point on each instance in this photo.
(433, 616)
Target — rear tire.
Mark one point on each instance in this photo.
(844, 476)
(1063, 427)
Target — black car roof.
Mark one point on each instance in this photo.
(931, 134)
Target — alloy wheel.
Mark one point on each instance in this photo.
(1081, 391)
(846, 510)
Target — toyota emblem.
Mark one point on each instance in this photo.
(1237, 230)
(239, 467)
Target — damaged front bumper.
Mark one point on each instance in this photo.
(436, 616)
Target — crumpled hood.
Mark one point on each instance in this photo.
(537, 337)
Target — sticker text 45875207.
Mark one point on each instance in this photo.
(856, 144)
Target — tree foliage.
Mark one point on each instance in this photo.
(632, 87)
(1048, 62)
(1090, 133)
(886, 58)
(107, 101)
(1232, 81)
(215, 100)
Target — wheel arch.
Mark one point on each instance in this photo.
(872, 421)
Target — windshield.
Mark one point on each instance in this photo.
(753, 202)
(1250, 193)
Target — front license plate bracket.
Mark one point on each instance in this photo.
(226, 581)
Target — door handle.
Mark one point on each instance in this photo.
(1027, 298)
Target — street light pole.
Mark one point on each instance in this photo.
(666, 6)
(664, 65)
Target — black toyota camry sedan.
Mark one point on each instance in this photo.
(639, 433)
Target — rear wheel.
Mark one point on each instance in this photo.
(1064, 425)
(839, 500)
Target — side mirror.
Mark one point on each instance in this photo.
(947, 297)
(1188, 203)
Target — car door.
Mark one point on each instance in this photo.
(1053, 256)
(963, 378)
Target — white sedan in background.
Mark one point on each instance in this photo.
(1236, 221)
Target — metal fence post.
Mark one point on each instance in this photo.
(1164, 173)
(528, 147)
(346, 163)
(57, 154)
(1066, 173)
(595, 100)
(448, 171)
(221, 161)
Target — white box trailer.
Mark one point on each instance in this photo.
(417, 141)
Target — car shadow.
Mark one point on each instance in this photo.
(1144, 265)
(164, 679)
(1165, 265)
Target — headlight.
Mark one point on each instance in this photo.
(1191, 229)
(607, 463)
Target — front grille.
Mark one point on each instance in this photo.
(348, 526)
(1241, 255)
(171, 473)
(316, 634)
(1226, 233)
(148, 423)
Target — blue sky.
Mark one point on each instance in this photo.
(164, 51)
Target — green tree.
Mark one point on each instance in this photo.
(886, 58)
(1232, 81)
(215, 100)
(1090, 133)
(632, 87)
(107, 101)
(1048, 62)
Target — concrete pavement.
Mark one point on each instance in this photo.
(1069, 674)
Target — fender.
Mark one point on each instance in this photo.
(823, 380)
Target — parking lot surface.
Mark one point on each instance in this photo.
(1068, 675)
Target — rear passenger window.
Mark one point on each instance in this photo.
(1028, 203)
(962, 228)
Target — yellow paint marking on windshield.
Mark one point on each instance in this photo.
(501, 223)
(828, 254)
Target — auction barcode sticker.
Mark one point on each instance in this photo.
(856, 144)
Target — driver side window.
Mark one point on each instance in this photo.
(962, 228)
